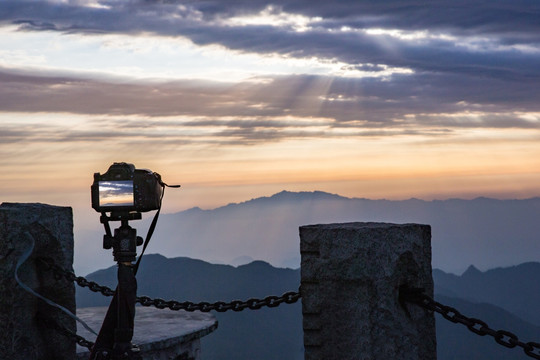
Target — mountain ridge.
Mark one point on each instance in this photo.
(485, 232)
(184, 278)
(464, 231)
(514, 288)
(467, 286)
(318, 195)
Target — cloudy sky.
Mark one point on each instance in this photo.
(240, 99)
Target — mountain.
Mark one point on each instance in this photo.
(515, 288)
(245, 334)
(456, 342)
(277, 333)
(241, 260)
(484, 232)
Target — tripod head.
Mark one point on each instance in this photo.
(125, 240)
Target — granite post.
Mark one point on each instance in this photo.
(350, 279)
(28, 325)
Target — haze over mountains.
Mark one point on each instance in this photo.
(514, 288)
(485, 232)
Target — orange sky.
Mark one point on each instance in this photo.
(238, 100)
(211, 176)
(330, 100)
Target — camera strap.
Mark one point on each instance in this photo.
(152, 225)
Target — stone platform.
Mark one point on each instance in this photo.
(160, 334)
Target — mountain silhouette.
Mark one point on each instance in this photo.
(277, 333)
(514, 288)
(251, 334)
(485, 232)
(456, 342)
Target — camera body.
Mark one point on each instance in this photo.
(124, 189)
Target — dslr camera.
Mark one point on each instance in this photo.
(124, 189)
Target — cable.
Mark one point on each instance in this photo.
(21, 261)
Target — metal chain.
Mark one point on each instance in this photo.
(254, 304)
(411, 295)
(219, 306)
(502, 337)
(70, 276)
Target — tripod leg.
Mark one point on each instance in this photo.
(105, 339)
(114, 339)
(127, 285)
(117, 329)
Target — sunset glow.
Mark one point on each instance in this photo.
(238, 102)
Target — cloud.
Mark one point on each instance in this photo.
(288, 107)
(462, 66)
(393, 98)
(493, 39)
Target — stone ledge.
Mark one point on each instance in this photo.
(160, 334)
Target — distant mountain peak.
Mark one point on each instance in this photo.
(241, 260)
(471, 271)
(317, 194)
(286, 195)
(256, 265)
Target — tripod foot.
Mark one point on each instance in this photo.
(128, 352)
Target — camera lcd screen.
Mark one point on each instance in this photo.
(116, 193)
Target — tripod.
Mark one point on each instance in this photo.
(114, 338)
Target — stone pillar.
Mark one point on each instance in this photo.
(26, 330)
(350, 279)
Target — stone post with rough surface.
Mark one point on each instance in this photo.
(26, 322)
(350, 279)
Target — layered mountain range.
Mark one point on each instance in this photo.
(485, 232)
(505, 298)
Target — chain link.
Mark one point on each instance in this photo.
(502, 337)
(411, 295)
(219, 306)
(60, 273)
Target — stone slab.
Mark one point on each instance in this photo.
(160, 333)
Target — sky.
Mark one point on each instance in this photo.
(240, 99)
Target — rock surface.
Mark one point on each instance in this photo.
(23, 332)
(350, 279)
(159, 333)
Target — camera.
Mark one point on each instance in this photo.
(123, 188)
